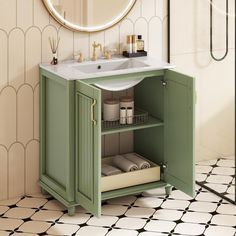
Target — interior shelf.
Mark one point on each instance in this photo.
(151, 122)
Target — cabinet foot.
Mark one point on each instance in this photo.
(44, 192)
(168, 189)
(71, 210)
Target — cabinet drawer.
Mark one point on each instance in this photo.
(128, 179)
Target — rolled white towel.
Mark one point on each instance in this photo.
(110, 170)
(124, 164)
(141, 163)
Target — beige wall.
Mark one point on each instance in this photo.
(24, 30)
(214, 80)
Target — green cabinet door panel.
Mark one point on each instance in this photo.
(57, 135)
(88, 147)
(179, 128)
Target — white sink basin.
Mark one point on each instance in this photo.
(105, 66)
(117, 66)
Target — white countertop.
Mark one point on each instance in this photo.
(68, 70)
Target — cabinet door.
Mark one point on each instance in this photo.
(88, 147)
(179, 126)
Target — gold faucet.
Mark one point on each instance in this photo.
(94, 45)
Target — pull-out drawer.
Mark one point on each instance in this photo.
(128, 179)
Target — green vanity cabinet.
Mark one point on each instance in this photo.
(71, 136)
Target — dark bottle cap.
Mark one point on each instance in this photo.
(139, 36)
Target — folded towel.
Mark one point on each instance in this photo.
(141, 163)
(124, 164)
(110, 170)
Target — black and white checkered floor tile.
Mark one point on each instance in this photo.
(218, 175)
(150, 214)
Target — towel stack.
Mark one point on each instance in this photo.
(125, 163)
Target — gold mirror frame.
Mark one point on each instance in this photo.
(75, 27)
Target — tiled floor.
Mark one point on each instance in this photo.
(219, 175)
(149, 214)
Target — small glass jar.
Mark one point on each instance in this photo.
(111, 109)
(140, 44)
(129, 44)
(134, 43)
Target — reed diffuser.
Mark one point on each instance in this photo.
(54, 46)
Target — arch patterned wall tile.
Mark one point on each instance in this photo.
(8, 16)
(155, 35)
(24, 14)
(53, 22)
(112, 39)
(161, 8)
(40, 15)
(32, 167)
(8, 116)
(23, 49)
(126, 28)
(25, 113)
(135, 12)
(65, 47)
(81, 43)
(48, 31)
(16, 170)
(148, 10)
(32, 55)
(3, 173)
(3, 59)
(36, 112)
(16, 58)
(141, 27)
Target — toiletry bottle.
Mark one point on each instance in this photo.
(140, 44)
(129, 44)
(129, 115)
(134, 44)
(111, 110)
(123, 115)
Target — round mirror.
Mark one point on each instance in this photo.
(89, 15)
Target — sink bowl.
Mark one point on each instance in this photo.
(105, 66)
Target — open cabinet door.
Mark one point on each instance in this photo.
(179, 127)
(88, 147)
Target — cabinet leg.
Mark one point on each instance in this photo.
(44, 192)
(168, 189)
(71, 210)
